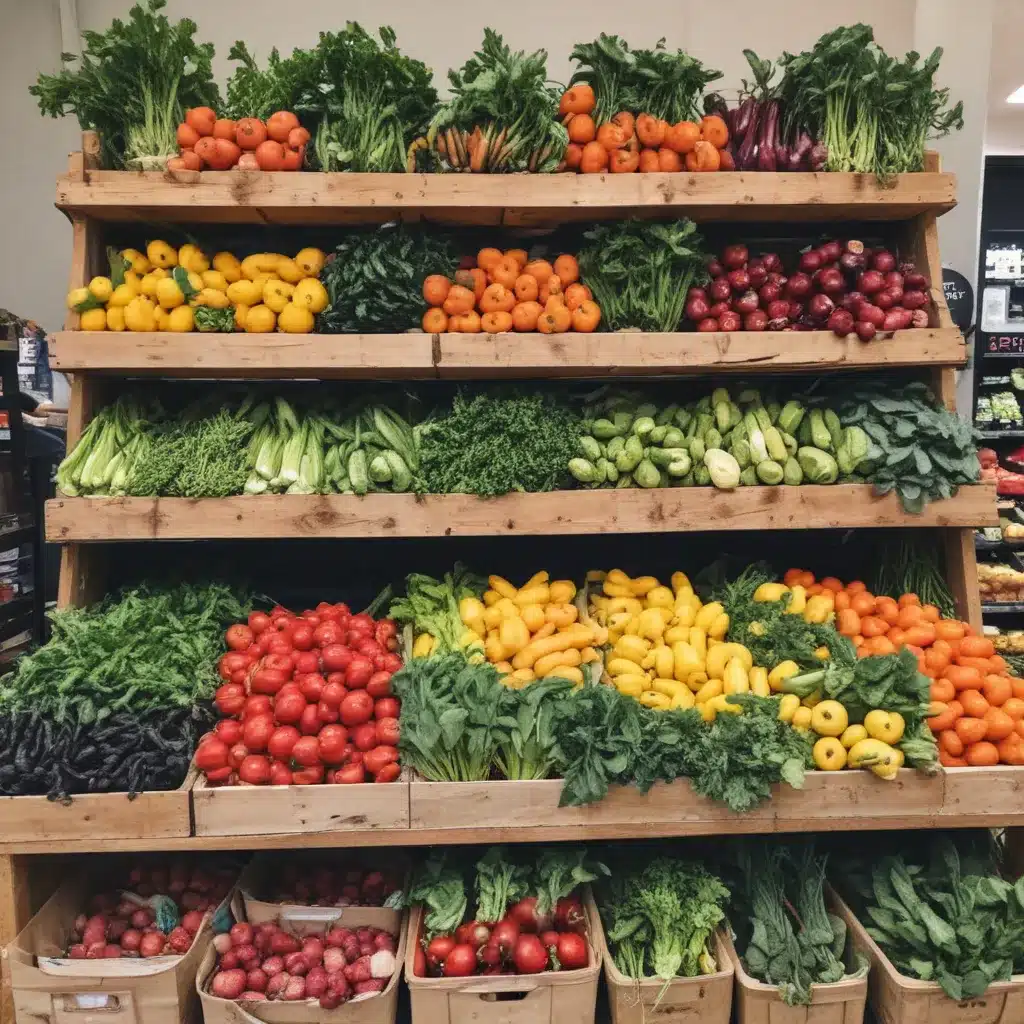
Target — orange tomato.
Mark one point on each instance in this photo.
(1018, 687)
(842, 601)
(489, 257)
(881, 645)
(950, 742)
(999, 724)
(863, 603)
(623, 161)
(910, 615)
(567, 270)
(920, 636)
(897, 636)
(582, 129)
(943, 689)
(977, 647)
(594, 159)
(963, 677)
(814, 589)
(1011, 750)
(714, 130)
(649, 162)
(886, 608)
(579, 99)
(856, 587)
(973, 703)
(930, 612)
(857, 640)
(908, 598)
(541, 270)
(791, 577)
(948, 761)
(982, 755)
(682, 137)
(849, 622)
(573, 156)
(936, 660)
(458, 300)
(651, 131)
(872, 626)
(970, 730)
(942, 717)
(831, 583)
(999, 664)
(806, 579)
(610, 135)
(997, 690)
(505, 272)
(527, 287)
(436, 288)
(669, 160)
(949, 629)
(1014, 707)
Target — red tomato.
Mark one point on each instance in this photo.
(230, 699)
(386, 707)
(257, 705)
(361, 623)
(368, 646)
(392, 662)
(257, 732)
(253, 653)
(327, 633)
(385, 629)
(333, 740)
(312, 618)
(326, 713)
(387, 731)
(255, 769)
(267, 680)
(356, 708)
(280, 661)
(302, 637)
(231, 662)
(306, 751)
(241, 677)
(379, 685)
(312, 687)
(350, 774)
(572, 951)
(282, 741)
(288, 708)
(281, 643)
(358, 673)
(229, 730)
(365, 736)
(389, 772)
(334, 693)
(258, 621)
(307, 661)
(311, 776)
(309, 723)
(264, 640)
(211, 754)
(237, 754)
(238, 637)
(353, 756)
(220, 774)
(280, 774)
(376, 760)
(336, 657)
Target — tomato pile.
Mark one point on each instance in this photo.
(125, 923)
(264, 961)
(522, 942)
(305, 699)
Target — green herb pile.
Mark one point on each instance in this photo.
(911, 567)
(940, 909)
(784, 933)
(658, 82)
(285, 84)
(374, 279)
(640, 271)
(133, 85)
(497, 441)
(660, 915)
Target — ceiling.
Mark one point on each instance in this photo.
(1005, 129)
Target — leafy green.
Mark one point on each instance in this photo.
(283, 85)
(560, 871)
(497, 441)
(432, 606)
(500, 882)
(133, 85)
(527, 751)
(144, 649)
(640, 271)
(442, 888)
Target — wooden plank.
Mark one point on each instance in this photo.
(674, 510)
(15, 911)
(962, 575)
(282, 197)
(997, 794)
(288, 810)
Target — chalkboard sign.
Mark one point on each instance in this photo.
(959, 297)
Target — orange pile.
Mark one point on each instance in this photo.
(977, 706)
(507, 291)
(645, 143)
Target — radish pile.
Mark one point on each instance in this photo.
(330, 886)
(306, 699)
(264, 961)
(839, 286)
(125, 923)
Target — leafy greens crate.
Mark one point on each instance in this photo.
(706, 999)
(898, 999)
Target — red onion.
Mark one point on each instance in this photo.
(796, 310)
(894, 279)
(710, 324)
(696, 309)
(810, 261)
(831, 251)
(841, 322)
(730, 321)
(852, 262)
(855, 246)
(885, 299)
(852, 301)
(769, 293)
(758, 272)
(917, 281)
(735, 256)
(779, 324)
(870, 281)
(693, 293)
(915, 299)
(776, 278)
(719, 308)
(865, 330)
(919, 318)
(756, 321)
(799, 286)
(778, 310)
(746, 303)
(715, 269)
(871, 313)
(893, 320)
(820, 307)
(739, 280)
(883, 261)
(831, 281)
(720, 289)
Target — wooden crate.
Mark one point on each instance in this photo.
(260, 810)
(997, 793)
(898, 999)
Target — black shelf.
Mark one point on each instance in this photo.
(1003, 355)
(996, 435)
(1003, 608)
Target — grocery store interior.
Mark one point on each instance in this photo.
(512, 517)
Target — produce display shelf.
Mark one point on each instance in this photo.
(451, 814)
(261, 197)
(417, 355)
(607, 511)
(1003, 608)
(996, 435)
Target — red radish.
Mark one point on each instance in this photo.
(718, 309)
(572, 951)
(370, 986)
(180, 940)
(490, 955)
(256, 980)
(735, 256)
(505, 934)
(530, 956)
(769, 292)
(296, 964)
(131, 939)
(152, 943)
(276, 985)
(841, 322)
(282, 943)
(865, 331)
(524, 913)
(95, 951)
(715, 268)
(228, 984)
(111, 951)
(438, 950)
(883, 261)
(710, 324)
(756, 321)
(569, 914)
(316, 983)
(142, 918)
(273, 965)
(549, 939)
(294, 990)
(696, 309)
(739, 280)
(460, 962)
(242, 934)
(334, 960)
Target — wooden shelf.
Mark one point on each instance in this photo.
(451, 814)
(424, 356)
(609, 511)
(258, 197)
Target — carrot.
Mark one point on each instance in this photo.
(982, 755)
(970, 730)
(977, 647)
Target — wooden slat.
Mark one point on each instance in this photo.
(282, 197)
(675, 510)
(15, 911)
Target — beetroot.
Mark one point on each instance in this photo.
(841, 322)
(810, 261)
(697, 308)
(865, 331)
(756, 321)
(720, 289)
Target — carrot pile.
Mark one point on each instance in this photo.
(977, 706)
(507, 291)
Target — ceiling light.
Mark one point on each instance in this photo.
(1017, 96)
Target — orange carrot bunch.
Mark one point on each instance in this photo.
(506, 291)
(977, 706)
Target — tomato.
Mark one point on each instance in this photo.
(387, 731)
(238, 637)
(385, 630)
(230, 699)
(220, 774)
(376, 760)
(253, 653)
(388, 773)
(359, 672)
(280, 774)
(530, 956)
(362, 623)
(334, 693)
(572, 951)
(312, 618)
(307, 661)
(353, 756)
(237, 754)
(255, 769)
(386, 707)
(368, 646)
(365, 736)
(306, 751)
(302, 637)
(311, 776)
(229, 730)
(350, 775)
(438, 950)
(392, 662)
(333, 740)
(257, 732)
(281, 644)
(282, 741)
(379, 685)
(264, 640)
(461, 962)
(280, 661)
(327, 714)
(336, 657)
(267, 680)
(356, 708)
(288, 708)
(231, 662)
(257, 705)
(259, 621)
(241, 677)
(211, 754)
(326, 634)
(309, 722)
(313, 687)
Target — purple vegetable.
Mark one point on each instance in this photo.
(746, 158)
(818, 156)
(744, 119)
(820, 307)
(841, 322)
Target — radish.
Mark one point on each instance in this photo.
(505, 934)
(180, 940)
(95, 951)
(111, 951)
(246, 953)
(295, 989)
(273, 965)
(720, 289)
(530, 956)
(313, 951)
(831, 281)
(252, 996)
(316, 983)
(772, 262)
(283, 943)
(524, 913)
(241, 934)
(77, 951)
(192, 921)
(810, 261)
(152, 943)
(865, 331)
(382, 964)
(460, 962)
(296, 964)
(337, 937)
(228, 984)
(735, 256)
(730, 321)
(746, 303)
(277, 984)
(569, 914)
(710, 324)
(369, 987)
(490, 955)
(256, 980)
(229, 960)
(360, 969)
(334, 960)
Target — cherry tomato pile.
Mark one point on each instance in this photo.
(522, 942)
(263, 961)
(124, 923)
(305, 699)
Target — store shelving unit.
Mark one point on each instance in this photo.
(420, 813)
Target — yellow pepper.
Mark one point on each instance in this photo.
(423, 645)
(788, 707)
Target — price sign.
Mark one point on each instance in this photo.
(1011, 344)
(959, 297)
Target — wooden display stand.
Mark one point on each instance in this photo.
(92, 199)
